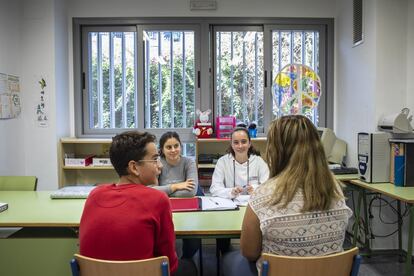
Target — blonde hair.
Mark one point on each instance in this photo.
(297, 160)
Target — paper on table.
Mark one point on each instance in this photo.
(217, 203)
(3, 206)
(242, 200)
(72, 192)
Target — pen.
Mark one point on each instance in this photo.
(215, 202)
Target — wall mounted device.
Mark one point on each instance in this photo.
(203, 5)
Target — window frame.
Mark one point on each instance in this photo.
(205, 93)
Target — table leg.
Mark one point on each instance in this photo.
(399, 231)
(357, 218)
(366, 226)
(408, 264)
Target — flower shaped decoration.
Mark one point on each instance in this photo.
(296, 90)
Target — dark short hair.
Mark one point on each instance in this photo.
(251, 150)
(127, 146)
(167, 135)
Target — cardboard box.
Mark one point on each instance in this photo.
(101, 162)
(79, 161)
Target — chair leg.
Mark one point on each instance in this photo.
(355, 265)
(200, 258)
(164, 269)
(265, 268)
(74, 267)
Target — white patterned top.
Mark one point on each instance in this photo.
(289, 232)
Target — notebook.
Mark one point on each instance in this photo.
(185, 204)
(210, 203)
(72, 192)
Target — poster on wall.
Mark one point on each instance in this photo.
(10, 106)
(41, 113)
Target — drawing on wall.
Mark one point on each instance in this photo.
(10, 106)
(41, 114)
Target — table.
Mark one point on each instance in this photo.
(50, 231)
(401, 194)
(36, 209)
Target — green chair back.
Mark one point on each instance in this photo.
(18, 183)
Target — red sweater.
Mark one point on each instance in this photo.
(127, 222)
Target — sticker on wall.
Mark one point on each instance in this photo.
(9, 96)
(41, 113)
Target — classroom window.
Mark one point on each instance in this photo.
(294, 47)
(169, 78)
(239, 73)
(111, 79)
(139, 77)
(152, 74)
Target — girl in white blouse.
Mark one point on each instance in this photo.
(241, 170)
(300, 210)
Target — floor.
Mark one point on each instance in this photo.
(373, 266)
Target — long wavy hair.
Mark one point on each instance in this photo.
(297, 160)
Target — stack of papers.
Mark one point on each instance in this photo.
(217, 203)
(72, 192)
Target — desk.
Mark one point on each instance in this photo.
(45, 253)
(402, 194)
(36, 209)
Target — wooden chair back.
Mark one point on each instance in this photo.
(345, 263)
(84, 266)
(18, 183)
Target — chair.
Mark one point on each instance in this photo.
(199, 191)
(340, 264)
(18, 183)
(85, 266)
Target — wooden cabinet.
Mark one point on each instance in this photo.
(218, 147)
(76, 175)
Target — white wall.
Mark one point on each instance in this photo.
(371, 81)
(228, 8)
(11, 131)
(410, 56)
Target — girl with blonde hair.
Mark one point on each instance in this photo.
(300, 210)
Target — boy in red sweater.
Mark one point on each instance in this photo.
(128, 220)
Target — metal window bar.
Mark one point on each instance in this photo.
(124, 95)
(244, 80)
(135, 119)
(278, 65)
(159, 82)
(302, 39)
(256, 79)
(219, 75)
(111, 80)
(90, 81)
(231, 73)
(184, 58)
(148, 81)
(172, 80)
(100, 82)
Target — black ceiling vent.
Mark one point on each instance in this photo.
(358, 35)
